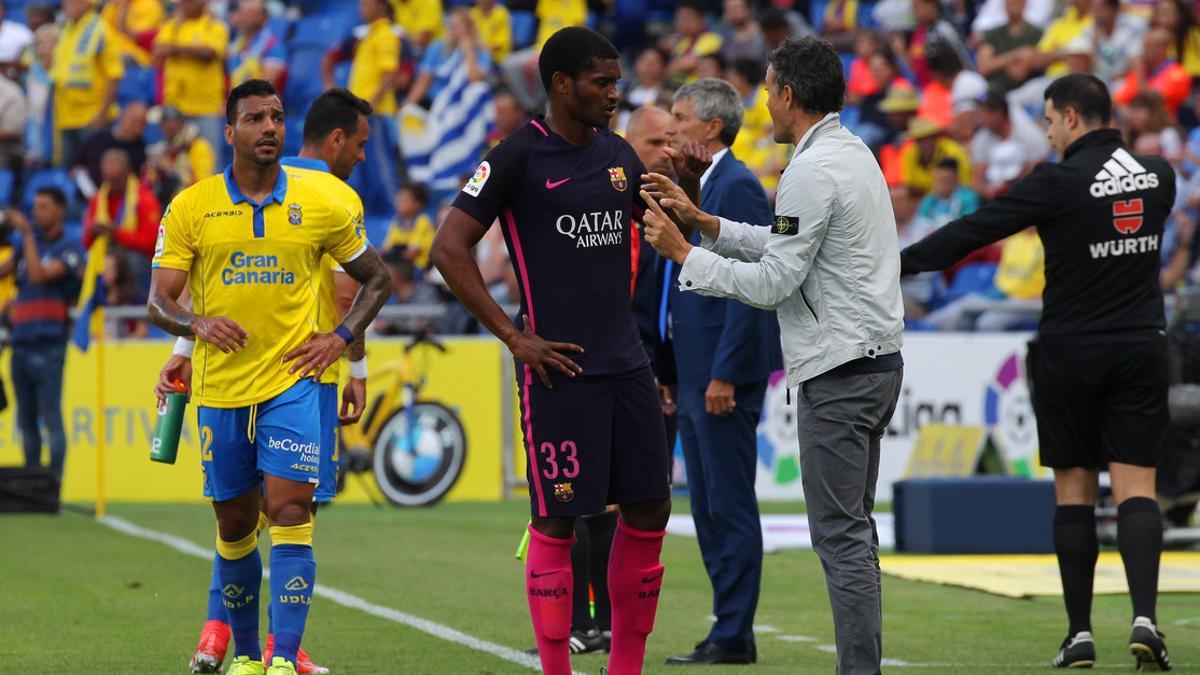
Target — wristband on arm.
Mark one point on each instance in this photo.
(358, 369)
(344, 333)
(184, 347)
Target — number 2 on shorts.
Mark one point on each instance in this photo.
(569, 459)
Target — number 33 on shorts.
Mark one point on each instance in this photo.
(561, 460)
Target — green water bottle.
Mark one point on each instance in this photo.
(165, 445)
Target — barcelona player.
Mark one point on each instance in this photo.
(564, 190)
(255, 237)
(335, 135)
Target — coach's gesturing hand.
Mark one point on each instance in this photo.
(662, 233)
(314, 356)
(675, 202)
(226, 334)
(537, 353)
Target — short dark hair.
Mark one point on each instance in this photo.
(698, 6)
(246, 90)
(55, 194)
(813, 70)
(334, 109)
(418, 191)
(1087, 94)
(716, 56)
(750, 70)
(772, 18)
(943, 60)
(995, 101)
(950, 164)
(571, 51)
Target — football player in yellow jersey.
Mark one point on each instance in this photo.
(256, 236)
(335, 135)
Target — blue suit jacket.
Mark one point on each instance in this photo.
(716, 338)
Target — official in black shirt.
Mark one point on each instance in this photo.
(1098, 367)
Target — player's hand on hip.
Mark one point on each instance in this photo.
(718, 398)
(690, 161)
(314, 356)
(661, 232)
(354, 401)
(530, 349)
(225, 334)
(177, 369)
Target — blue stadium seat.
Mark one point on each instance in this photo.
(48, 178)
(304, 80)
(137, 85)
(524, 29)
(377, 228)
(975, 278)
(322, 30)
(6, 186)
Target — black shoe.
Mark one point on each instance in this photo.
(1146, 644)
(582, 642)
(708, 653)
(1078, 651)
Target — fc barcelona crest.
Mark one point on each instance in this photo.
(617, 175)
(564, 492)
(294, 214)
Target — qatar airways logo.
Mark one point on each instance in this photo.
(593, 228)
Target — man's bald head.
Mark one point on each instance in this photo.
(646, 131)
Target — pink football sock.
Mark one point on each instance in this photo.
(634, 580)
(548, 580)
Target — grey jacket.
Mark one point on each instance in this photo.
(829, 265)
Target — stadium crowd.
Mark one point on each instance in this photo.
(118, 105)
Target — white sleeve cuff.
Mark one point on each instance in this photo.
(184, 347)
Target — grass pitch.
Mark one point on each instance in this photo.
(81, 598)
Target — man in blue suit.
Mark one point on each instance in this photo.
(724, 352)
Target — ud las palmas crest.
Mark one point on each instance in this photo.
(617, 175)
(294, 214)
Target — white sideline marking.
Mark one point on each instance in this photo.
(342, 598)
(766, 629)
(796, 638)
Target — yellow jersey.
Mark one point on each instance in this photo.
(554, 15)
(328, 314)
(495, 28)
(261, 266)
(193, 86)
(1022, 270)
(420, 16)
(378, 55)
(142, 16)
(1059, 34)
(921, 177)
(85, 61)
(419, 238)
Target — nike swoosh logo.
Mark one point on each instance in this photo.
(656, 577)
(535, 575)
(551, 185)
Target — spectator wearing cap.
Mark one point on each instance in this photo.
(926, 146)
(15, 39)
(494, 24)
(1006, 164)
(691, 40)
(420, 19)
(132, 25)
(87, 69)
(125, 209)
(126, 135)
(1001, 122)
(180, 159)
(949, 199)
(899, 109)
(257, 53)
(1117, 37)
(1003, 52)
(1157, 71)
(190, 53)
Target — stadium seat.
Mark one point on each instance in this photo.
(304, 83)
(6, 186)
(49, 178)
(137, 85)
(975, 278)
(524, 29)
(321, 30)
(377, 228)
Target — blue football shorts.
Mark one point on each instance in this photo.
(327, 488)
(282, 437)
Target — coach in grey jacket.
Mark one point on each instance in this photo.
(830, 266)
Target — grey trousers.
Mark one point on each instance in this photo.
(841, 420)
